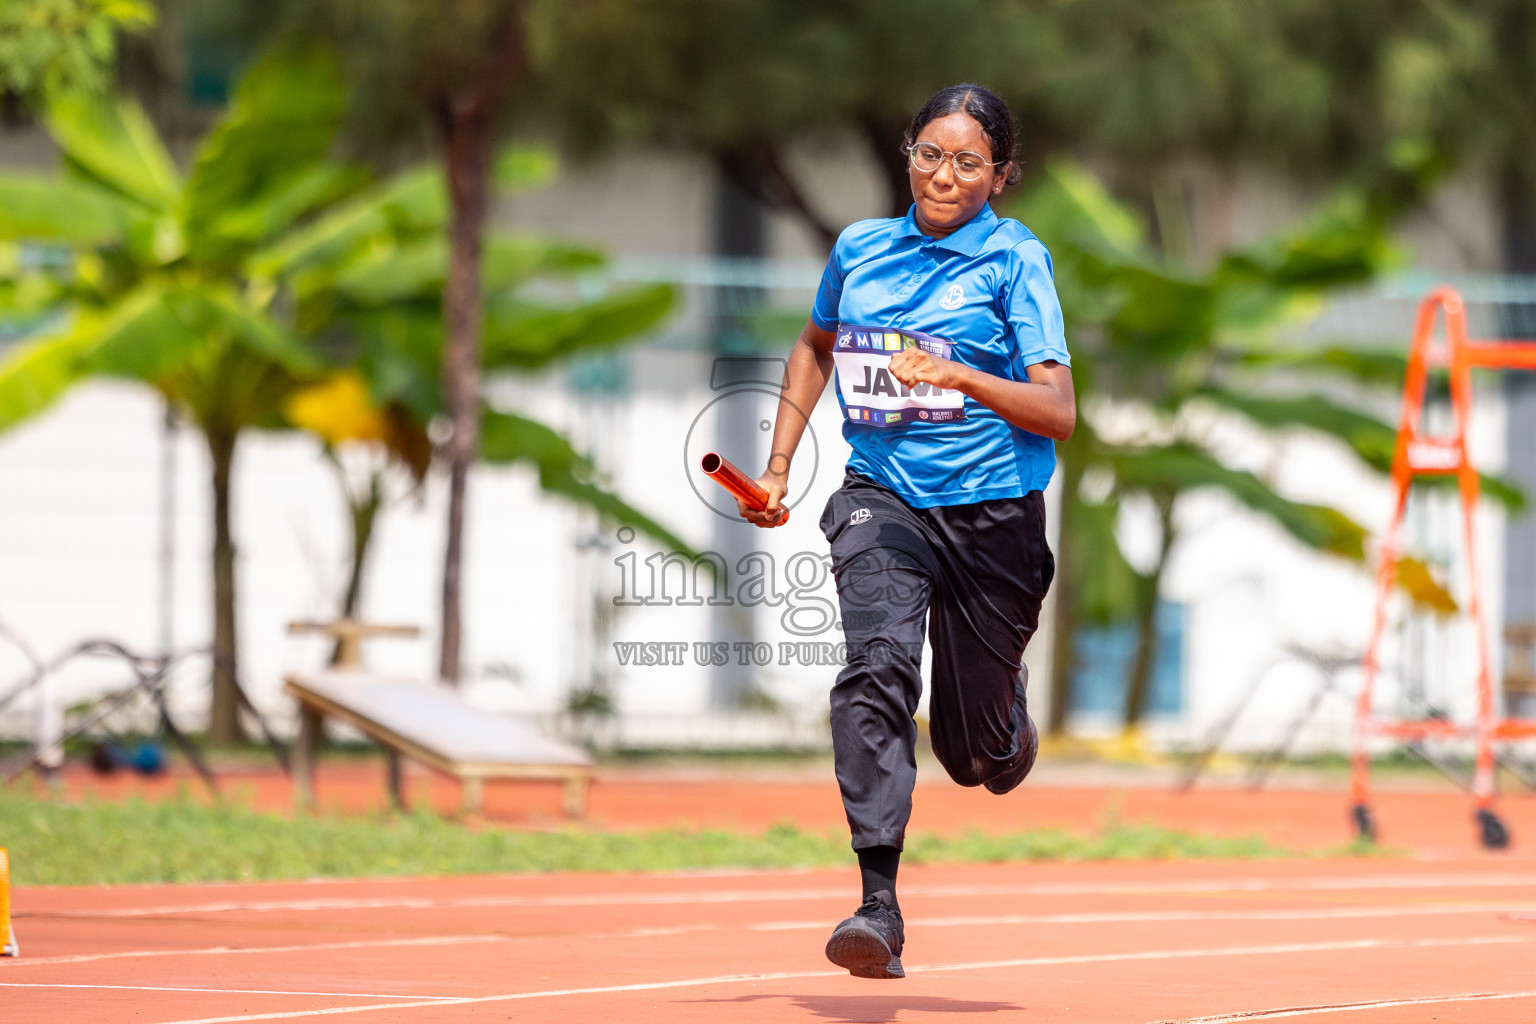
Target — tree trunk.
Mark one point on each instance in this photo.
(469, 153)
(364, 513)
(1146, 620)
(468, 124)
(885, 139)
(1064, 611)
(758, 169)
(1516, 320)
(224, 720)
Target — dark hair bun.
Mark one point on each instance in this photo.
(986, 109)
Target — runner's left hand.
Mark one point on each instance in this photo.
(914, 366)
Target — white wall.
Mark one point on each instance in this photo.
(79, 494)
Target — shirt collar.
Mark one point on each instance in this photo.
(965, 240)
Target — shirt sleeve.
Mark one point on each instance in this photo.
(830, 292)
(1032, 309)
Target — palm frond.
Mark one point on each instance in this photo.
(511, 439)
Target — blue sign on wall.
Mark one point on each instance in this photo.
(1103, 670)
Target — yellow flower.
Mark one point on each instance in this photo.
(338, 410)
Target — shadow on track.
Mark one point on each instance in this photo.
(872, 1009)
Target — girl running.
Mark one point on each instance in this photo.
(945, 335)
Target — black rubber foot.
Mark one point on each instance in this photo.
(1495, 836)
(1365, 827)
(859, 949)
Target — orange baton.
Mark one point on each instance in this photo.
(738, 483)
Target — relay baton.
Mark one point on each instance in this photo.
(738, 483)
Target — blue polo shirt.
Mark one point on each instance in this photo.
(987, 288)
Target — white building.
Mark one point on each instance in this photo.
(553, 605)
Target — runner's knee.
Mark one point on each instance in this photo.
(967, 770)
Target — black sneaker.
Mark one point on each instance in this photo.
(869, 943)
(1009, 779)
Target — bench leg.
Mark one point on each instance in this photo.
(396, 789)
(576, 796)
(304, 754)
(474, 795)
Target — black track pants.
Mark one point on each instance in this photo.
(977, 574)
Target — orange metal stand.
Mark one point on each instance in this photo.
(1419, 454)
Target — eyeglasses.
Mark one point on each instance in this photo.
(928, 158)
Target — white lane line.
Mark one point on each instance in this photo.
(1205, 885)
(442, 940)
(1132, 917)
(1153, 916)
(723, 979)
(638, 933)
(423, 1000)
(488, 902)
(10, 964)
(1298, 947)
(1308, 1011)
(728, 979)
(1346, 914)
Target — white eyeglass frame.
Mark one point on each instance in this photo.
(944, 154)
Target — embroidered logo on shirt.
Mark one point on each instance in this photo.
(860, 515)
(954, 298)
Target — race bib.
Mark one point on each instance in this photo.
(875, 398)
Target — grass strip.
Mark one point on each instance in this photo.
(97, 842)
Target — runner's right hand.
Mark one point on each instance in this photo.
(774, 514)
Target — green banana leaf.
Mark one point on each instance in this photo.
(72, 213)
(144, 336)
(1372, 441)
(1163, 315)
(224, 308)
(1107, 586)
(153, 333)
(1377, 367)
(35, 373)
(113, 144)
(508, 439)
(522, 335)
(399, 354)
(1181, 467)
(524, 168)
(400, 347)
(1329, 252)
(1067, 204)
(513, 260)
(280, 124)
(391, 273)
(1368, 437)
(412, 201)
(318, 187)
(158, 328)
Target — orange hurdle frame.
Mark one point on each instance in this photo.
(1419, 454)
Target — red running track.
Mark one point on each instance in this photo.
(1347, 941)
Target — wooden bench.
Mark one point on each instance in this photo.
(426, 722)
